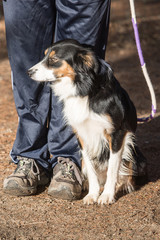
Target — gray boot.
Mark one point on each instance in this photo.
(25, 179)
(67, 181)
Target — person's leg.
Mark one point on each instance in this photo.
(29, 27)
(85, 21)
(62, 142)
(29, 31)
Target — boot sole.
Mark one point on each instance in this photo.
(64, 194)
(19, 192)
(13, 188)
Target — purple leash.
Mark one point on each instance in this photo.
(143, 65)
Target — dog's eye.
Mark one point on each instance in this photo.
(52, 60)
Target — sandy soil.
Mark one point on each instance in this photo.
(134, 216)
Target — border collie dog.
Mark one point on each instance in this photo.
(100, 113)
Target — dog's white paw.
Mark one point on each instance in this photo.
(90, 199)
(106, 199)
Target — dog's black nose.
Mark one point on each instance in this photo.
(31, 72)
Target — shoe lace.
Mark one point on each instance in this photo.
(69, 169)
(26, 165)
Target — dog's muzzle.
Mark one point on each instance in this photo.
(31, 72)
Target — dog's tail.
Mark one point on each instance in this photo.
(133, 170)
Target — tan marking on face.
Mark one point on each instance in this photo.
(46, 51)
(65, 70)
(52, 54)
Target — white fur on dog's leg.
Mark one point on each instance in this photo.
(108, 194)
(90, 199)
(94, 187)
(106, 199)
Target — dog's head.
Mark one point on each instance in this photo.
(70, 68)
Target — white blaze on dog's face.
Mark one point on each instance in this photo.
(56, 71)
(41, 73)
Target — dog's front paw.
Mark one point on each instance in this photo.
(90, 199)
(106, 199)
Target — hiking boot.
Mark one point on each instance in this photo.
(67, 181)
(25, 179)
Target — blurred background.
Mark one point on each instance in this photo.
(137, 216)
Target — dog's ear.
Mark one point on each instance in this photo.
(84, 65)
(86, 60)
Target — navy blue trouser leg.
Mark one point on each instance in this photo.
(30, 29)
(84, 20)
(87, 22)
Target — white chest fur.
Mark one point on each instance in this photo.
(89, 125)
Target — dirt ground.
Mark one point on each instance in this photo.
(134, 216)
